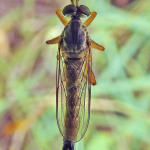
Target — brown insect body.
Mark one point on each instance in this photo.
(74, 74)
(74, 47)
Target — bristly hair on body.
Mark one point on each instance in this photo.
(74, 75)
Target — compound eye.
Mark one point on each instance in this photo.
(69, 10)
(84, 10)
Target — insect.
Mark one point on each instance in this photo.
(74, 74)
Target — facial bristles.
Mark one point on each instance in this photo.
(77, 2)
(73, 2)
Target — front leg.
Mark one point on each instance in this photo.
(61, 17)
(90, 19)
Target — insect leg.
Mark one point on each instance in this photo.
(90, 19)
(54, 40)
(96, 45)
(91, 75)
(61, 17)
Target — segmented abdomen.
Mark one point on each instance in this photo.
(72, 119)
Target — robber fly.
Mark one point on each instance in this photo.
(74, 74)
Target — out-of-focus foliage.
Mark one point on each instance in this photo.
(120, 106)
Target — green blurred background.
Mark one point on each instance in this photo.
(120, 118)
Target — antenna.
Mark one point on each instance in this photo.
(75, 2)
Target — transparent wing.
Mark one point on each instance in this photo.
(60, 92)
(84, 96)
(73, 96)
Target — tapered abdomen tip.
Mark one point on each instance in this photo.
(68, 145)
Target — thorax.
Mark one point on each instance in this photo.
(74, 38)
